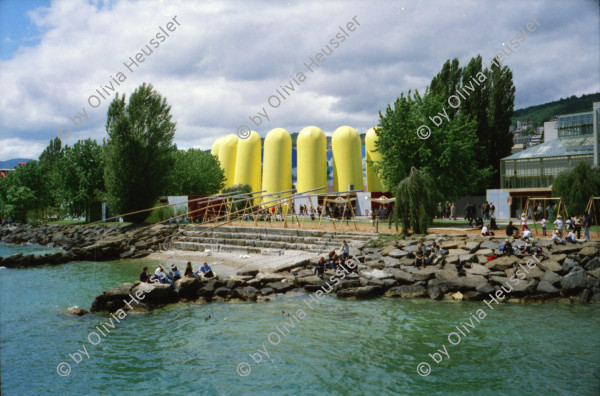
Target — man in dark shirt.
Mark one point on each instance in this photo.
(510, 229)
(144, 277)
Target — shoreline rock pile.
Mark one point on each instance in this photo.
(560, 272)
(83, 242)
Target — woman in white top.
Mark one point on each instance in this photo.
(558, 225)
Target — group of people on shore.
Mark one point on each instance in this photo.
(428, 255)
(335, 261)
(162, 276)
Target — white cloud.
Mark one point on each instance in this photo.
(225, 59)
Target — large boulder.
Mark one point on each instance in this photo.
(397, 253)
(469, 282)
(246, 293)
(402, 277)
(568, 264)
(477, 269)
(188, 287)
(551, 277)
(360, 292)
(280, 287)
(565, 249)
(436, 289)
(524, 287)
(545, 287)
(589, 251)
(595, 273)
(425, 273)
(156, 294)
(489, 245)
(550, 265)
(472, 246)
(502, 263)
(407, 291)
(573, 282)
(113, 299)
(593, 264)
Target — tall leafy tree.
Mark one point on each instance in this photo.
(576, 186)
(138, 152)
(500, 111)
(448, 155)
(25, 189)
(196, 172)
(78, 177)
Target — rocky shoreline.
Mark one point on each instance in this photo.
(570, 272)
(83, 242)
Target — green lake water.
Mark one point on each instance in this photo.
(342, 347)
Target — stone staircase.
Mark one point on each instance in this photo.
(266, 241)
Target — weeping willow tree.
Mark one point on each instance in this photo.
(576, 186)
(416, 197)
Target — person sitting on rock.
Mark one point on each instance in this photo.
(144, 277)
(511, 230)
(557, 239)
(320, 267)
(485, 231)
(206, 271)
(162, 276)
(430, 256)
(332, 259)
(526, 234)
(507, 249)
(419, 259)
(176, 273)
(571, 237)
(526, 248)
(189, 271)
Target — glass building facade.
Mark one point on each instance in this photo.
(537, 166)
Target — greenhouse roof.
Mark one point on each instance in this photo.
(580, 145)
(574, 120)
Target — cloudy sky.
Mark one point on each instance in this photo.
(224, 60)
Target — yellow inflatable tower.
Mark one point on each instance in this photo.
(347, 159)
(227, 154)
(247, 162)
(374, 184)
(311, 151)
(277, 162)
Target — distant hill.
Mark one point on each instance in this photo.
(540, 113)
(11, 163)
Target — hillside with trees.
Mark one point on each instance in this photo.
(543, 112)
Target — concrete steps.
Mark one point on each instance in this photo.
(264, 240)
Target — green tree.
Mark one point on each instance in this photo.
(486, 98)
(244, 189)
(448, 155)
(576, 186)
(25, 189)
(78, 177)
(416, 197)
(139, 151)
(196, 172)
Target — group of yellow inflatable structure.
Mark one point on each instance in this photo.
(241, 160)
